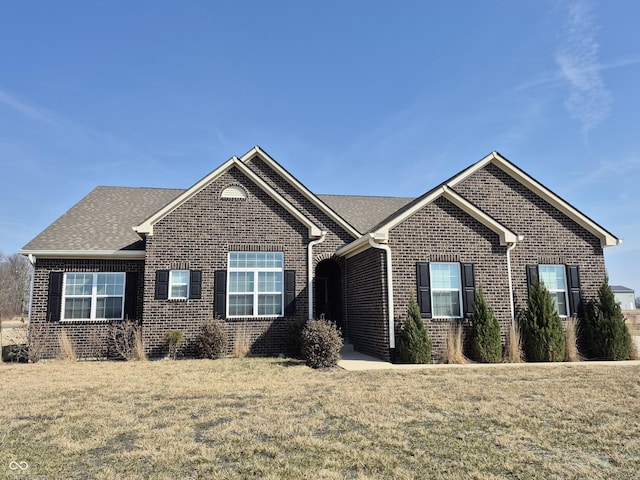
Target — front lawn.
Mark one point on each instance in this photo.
(276, 418)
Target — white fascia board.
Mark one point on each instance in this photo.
(362, 244)
(300, 188)
(506, 236)
(606, 238)
(146, 228)
(98, 254)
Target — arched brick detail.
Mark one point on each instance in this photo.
(327, 256)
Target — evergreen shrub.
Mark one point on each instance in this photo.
(486, 344)
(414, 342)
(542, 332)
(606, 334)
(212, 340)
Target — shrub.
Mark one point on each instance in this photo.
(542, 332)
(453, 347)
(174, 339)
(123, 340)
(486, 344)
(294, 337)
(414, 342)
(212, 340)
(606, 333)
(321, 344)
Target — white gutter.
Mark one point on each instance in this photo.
(392, 335)
(511, 301)
(32, 261)
(310, 269)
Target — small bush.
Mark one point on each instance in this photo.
(66, 351)
(174, 339)
(123, 340)
(212, 340)
(294, 337)
(414, 342)
(486, 344)
(543, 336)
(453, 348)
(321, 344)
(606, 332)
(513, 353)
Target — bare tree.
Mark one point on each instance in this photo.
(15, 279)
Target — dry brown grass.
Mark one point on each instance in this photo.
(572, 354)
(277, 419)
(453, 348)
(66, 352)
(513, 349)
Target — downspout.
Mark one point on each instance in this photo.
(392, 335)
(312, 243)
(511, 300)
(32, 261)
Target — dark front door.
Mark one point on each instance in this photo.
(328, 292)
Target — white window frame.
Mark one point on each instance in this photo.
(94, 296)
(173, 282)
(255, 293)
(563, 268)
(433, 290)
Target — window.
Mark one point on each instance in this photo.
(255, 284)
(93, 296)
(446, 290)
(179, 284)
(554, 278)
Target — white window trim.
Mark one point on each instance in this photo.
(256, 294)
(558, 290)
(171, 283)
(94, 296)
(459, 289)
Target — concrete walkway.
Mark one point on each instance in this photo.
(352, 360)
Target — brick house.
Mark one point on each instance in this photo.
(251, 245)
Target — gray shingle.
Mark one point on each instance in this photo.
(364, 212)
(103, 219)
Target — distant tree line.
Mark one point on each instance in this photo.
(15, 279)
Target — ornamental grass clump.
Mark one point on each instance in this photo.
(321, 344)
(542, 333)
(453, 351)
(486, 344)
(513, 351)
(606, 332)
(414, 342)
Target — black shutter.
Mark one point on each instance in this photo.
(532, 275)
(424, 289)
(468, 289)
(131, 297)
(195, 284)
(220, 293)
(54, 300)
(289, 293)
(575, 295)
(162, 284)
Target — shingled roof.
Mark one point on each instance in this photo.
(103, 220)
(364, 212)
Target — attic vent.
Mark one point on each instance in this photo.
(234, 191)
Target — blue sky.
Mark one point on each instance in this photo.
(352, 97)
